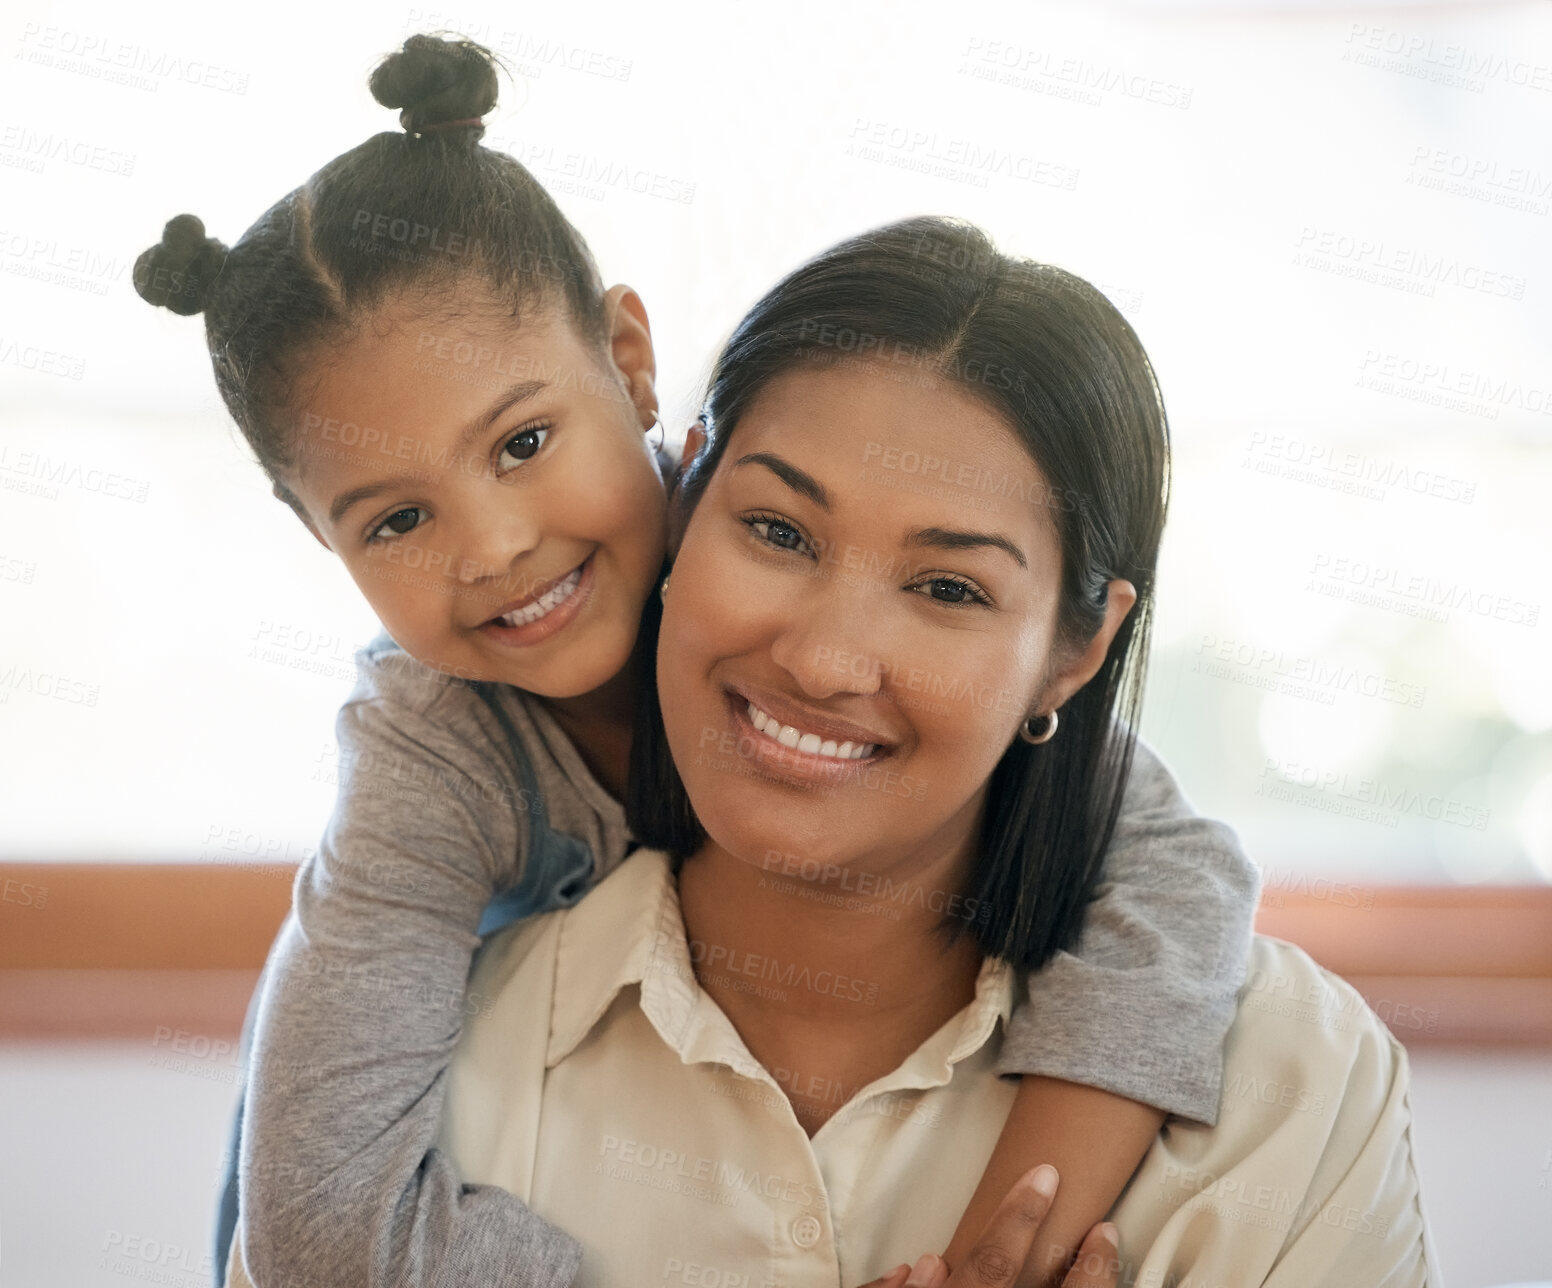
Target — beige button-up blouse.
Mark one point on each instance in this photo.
(636, 1119)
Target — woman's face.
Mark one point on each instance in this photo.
(861, 613)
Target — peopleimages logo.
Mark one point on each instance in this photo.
(1394, 798)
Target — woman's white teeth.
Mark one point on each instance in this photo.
(557, 594)
(810, 744)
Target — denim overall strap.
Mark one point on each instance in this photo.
(560, 867)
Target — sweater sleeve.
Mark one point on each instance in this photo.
(363, 1003)
(1142, 1006)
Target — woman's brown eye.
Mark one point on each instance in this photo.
(773, 532)
(953, 592)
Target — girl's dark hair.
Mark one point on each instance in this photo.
(416, 210)
(933, 298)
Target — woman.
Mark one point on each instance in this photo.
(760, 1028)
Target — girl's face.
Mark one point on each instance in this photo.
(490, 488)
(861, 613)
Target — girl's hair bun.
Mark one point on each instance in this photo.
(436, 81)
(178, 271)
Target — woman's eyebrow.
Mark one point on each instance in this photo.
(953, 539)
(936, 538)
(800, 482)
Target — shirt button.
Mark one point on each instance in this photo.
(806, 1231)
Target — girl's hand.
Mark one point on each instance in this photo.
(999, 1254)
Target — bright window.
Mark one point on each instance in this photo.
(1331, 230)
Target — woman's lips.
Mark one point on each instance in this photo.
(792, 759)
(808, 743)
(542, 617)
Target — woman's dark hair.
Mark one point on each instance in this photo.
(1065, 371)
(418, 210)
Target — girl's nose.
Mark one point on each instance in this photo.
(497, 530)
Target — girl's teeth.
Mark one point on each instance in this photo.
(809, 744)
(559, 593)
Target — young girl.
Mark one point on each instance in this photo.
(419, 349)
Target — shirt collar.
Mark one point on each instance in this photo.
(629, 930)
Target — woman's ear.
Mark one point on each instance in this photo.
(1084, 666)
(694, 440)
(678, 520)
(630, 347)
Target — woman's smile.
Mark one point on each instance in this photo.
(789, 675)
(792, 742)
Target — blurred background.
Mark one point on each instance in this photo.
(1328, 223)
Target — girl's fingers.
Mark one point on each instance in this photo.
(894, 1279)
(1098, 1262)
(930, 1271)
(999, 1254)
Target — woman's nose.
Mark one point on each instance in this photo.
(828, 641)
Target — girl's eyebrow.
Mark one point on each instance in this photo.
(515, 394)
(805, 484)
(511, 397)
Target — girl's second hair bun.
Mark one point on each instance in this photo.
(178, 271)
(437, 81)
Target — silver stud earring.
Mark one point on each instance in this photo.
(1027, 733)
(662, 434)
(662, 591)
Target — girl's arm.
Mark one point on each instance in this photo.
(364, 1001)
(1131, 1026)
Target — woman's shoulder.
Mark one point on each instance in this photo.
(1319, 1024)
(1308, 1059)
(1307, 1176)
(1283, 980)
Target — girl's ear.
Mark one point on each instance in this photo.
(630, 347)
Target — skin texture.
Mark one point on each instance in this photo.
(1093, 1138)
(561, 478)
(1008, 1239)
(832, 613)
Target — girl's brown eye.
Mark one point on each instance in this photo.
(398, 523)
(522, 447)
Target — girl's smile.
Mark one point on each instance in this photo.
(513, 539)
(539, 615)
